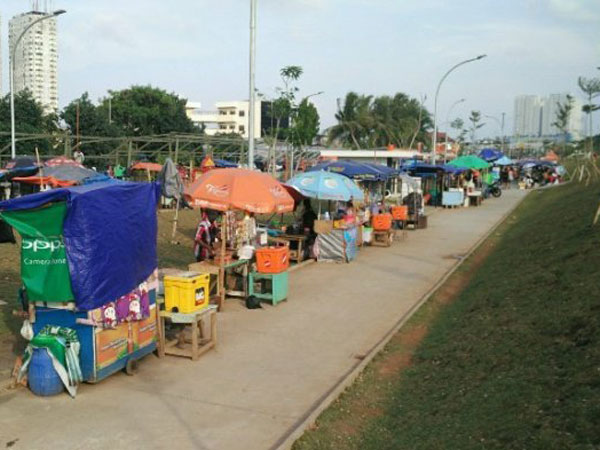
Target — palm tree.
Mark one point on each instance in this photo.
(591, 88)
(354, 121)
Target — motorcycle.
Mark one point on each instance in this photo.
(494, 190)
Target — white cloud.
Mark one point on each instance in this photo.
(580, 10)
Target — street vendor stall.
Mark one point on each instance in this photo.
(336, 239)
(241, 190)
(88, 265)
(477, 166)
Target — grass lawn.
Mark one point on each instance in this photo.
(505, 355)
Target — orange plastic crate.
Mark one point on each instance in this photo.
(272, 259)
(382, 222)
(400, 212)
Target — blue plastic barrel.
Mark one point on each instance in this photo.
(43, 379)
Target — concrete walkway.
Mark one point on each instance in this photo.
(272, 366)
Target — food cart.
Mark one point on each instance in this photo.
(89, 263)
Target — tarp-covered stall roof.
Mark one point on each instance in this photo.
(109, 232)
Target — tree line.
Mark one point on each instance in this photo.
(136, 111)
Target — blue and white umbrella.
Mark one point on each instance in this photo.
(323, 185)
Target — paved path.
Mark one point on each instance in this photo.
(272, 365)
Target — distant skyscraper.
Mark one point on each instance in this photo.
(535, 115)
(527, 116)
(36, 58)
(550, 110)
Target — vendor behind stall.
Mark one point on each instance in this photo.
(349, 215)
(205, 236)
(308, 217)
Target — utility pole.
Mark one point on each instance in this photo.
(251, 113)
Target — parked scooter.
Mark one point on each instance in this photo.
(493, 189)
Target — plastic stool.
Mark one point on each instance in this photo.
(278, 286)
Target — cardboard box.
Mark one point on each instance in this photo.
(323, 226)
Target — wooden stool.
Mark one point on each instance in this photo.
(382, 238)
(195, 345)
(279, 286)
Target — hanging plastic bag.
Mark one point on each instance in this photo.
(27, 330)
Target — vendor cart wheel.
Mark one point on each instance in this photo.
(131, 367)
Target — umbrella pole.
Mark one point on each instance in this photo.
(222, 262)
(175, 219)
(37, 157)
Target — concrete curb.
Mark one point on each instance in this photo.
(286, 441)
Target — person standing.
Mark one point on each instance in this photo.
(79, 156)
(204, 238)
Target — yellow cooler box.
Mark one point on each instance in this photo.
(187, 292)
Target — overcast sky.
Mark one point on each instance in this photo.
(199, 48)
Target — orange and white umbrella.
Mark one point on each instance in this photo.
(242, 189)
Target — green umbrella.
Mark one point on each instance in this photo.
(470, 162)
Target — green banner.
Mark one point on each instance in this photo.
(44, 267)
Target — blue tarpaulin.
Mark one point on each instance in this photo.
(110, 233)
(224, 164)
(490, 154)
(350, 169)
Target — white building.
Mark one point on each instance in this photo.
(527, 116)
(36, 58)
(229, 117)
(550, 105)
(534, 116)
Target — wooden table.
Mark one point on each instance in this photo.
(475, 198)
(198, 343)
(214, 269)
(297, 254)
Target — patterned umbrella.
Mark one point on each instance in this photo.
(62, 161)
(324, 185)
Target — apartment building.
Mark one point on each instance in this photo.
(534, 116)
(232, 117)
(36, 58)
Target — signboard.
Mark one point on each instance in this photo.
(44, 267)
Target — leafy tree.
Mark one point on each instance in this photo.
(475, 119)
(93, 122)
(563, 114)
(145, 110)
(459, 125)
(305, 124)
(282, 108)
(591, 88)
(29, 119)
(367, 122)
(399, 120)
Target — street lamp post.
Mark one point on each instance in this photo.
(462, 100)
(501, 126)
(437, 91)
(13, 150)
(251, 113)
